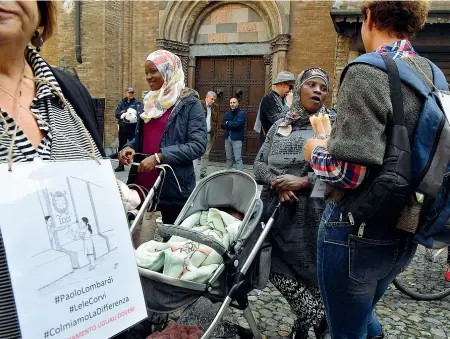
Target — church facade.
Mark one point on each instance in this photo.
(235, 48)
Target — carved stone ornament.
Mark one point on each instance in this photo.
(179, 48)
(280, 43)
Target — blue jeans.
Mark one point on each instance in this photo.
(234, 148)
(354, 273)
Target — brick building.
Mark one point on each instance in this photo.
(233, 47)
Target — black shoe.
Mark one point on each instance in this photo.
(120, 168)
(322, 332)
(298, 334)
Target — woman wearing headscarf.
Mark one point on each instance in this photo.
(171, 130)
(281, 166)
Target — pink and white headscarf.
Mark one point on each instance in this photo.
(157, 102)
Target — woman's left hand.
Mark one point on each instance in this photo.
(288, 182)
(147, 164)
(311, 144)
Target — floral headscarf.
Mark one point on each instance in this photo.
(157, 102)
(298, 113)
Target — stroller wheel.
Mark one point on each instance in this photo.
(158, 322)
(244, 333)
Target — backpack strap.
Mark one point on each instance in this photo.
(395, 87)
(407, 74)
(439, 78)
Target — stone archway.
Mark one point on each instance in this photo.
(186, 17)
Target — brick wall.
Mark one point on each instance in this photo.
(313, 38)
(117, 36)
(113, 65)
(60, 48)
(145, 30)
(343, 45)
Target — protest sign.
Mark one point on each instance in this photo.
(69, 250)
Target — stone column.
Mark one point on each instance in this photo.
(352, 55)
(191, 72)
(279, 47)
(268, 77)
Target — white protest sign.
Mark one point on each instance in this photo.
(69, 250)
(445, 101)
(318, 189)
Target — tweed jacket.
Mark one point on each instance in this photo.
(214, 117)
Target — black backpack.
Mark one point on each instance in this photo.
(376, 205)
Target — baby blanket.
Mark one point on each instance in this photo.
(189, 260)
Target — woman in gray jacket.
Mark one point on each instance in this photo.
(280, 164)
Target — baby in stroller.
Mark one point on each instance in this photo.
(223, 203)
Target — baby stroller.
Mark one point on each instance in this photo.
(246, 263)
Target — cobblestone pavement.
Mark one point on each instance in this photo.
(401, 317)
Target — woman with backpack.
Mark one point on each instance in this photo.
(281, 166)
(358, 263)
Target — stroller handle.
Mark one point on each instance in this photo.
(147, 201)
(260, 241)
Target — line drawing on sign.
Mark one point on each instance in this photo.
(79, 244)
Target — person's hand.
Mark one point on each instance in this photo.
(287, 196)
(311, 144)
(126, 156)
(289, 98)
(147, 164)
(288, 182)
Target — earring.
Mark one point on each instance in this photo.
(37, 41)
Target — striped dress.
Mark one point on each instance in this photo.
(65, 140)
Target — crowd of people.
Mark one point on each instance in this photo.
(329, 272)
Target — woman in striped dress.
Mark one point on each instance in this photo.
(44, 113)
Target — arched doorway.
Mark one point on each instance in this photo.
(235, 48)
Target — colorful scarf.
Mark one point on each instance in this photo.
(398, 49)
(298, 113)
(157, 102)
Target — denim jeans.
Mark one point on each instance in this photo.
(354, 273)
(234, 148)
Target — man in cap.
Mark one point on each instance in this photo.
(127, 126)
(273, 104)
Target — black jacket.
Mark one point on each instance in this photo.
(124, 105)
(183, 141)
(270, 110)
(75, 92)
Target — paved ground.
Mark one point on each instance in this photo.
(401, 316)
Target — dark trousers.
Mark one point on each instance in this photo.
(126, 133)
(169, 213)
(262, 138)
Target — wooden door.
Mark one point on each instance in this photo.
(241, 77)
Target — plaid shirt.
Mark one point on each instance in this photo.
(344, 174)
